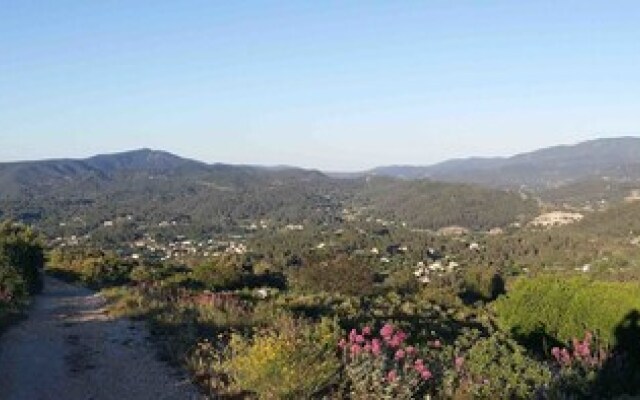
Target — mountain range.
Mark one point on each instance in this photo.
(612, 158)
(156, 186)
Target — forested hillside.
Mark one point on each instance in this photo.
(150, 187)
(433, 205)
(616, 158)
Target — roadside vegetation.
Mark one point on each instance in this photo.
(363, 304)
(368, 311)
(21, 263)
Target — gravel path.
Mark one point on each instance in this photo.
(70, 349)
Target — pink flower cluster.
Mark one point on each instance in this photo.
(581, 353)
(562, 356)
(390, 344)
(422, 369)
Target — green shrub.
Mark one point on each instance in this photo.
(403, 281)
(104, 271)
(143, 274)
(20, 248)
(482, 283)
(292, 359)
(225, 272)
(563, 308)
(340, 275)
(92, 267)
(498, 365)
(13, 290)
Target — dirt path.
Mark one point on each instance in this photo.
(69, 349)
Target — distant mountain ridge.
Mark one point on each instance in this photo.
(153, 187)
(142, 159)
(23, 177)
(156, 186)
(614, 158)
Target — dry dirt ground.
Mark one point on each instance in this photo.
(69, 349)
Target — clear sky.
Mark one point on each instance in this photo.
(342, 85)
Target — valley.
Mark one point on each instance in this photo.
(235, 269)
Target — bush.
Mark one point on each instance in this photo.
(92, 267)
(585, 369)
(403, 281)
(104, 271)
(340, 275)
(20, 249)
(13, 290)
(226, 272)
(482, 283)
(498, 365)
(383, 366)
(143, 274)
(560, 309)
(291, 360)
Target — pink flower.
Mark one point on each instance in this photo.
(436, 344)
(410, 350)
(359, 339)
(419, 366)
(393, 342)
(342, 344)
(352, 335)
(399, 355)
(582, 350)
(366, 331)
(386, 331)
(355, 350)
(376, 347)
(397, 339)
(392, 376)
(426, 374)
(368, 347)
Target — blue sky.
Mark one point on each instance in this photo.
(341, 85)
